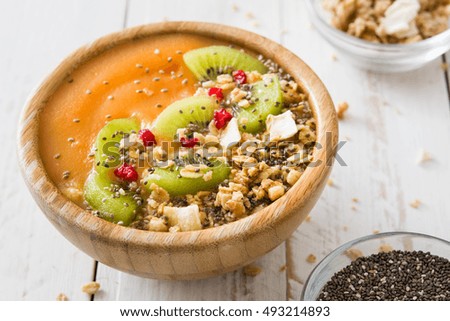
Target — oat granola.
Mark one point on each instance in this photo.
(390, 21)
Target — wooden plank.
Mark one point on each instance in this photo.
(37, 263)
(259, 16)
(270, 284)
(391, 118)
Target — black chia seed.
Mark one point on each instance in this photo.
(391, 276)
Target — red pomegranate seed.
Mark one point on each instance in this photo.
(240, 77)
(189, 142)
(147, 137)
(217, 92)
(221, 118)
(126, 172)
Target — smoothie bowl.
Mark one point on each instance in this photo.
(178, 150)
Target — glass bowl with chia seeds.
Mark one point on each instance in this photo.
(386, 35)
(394, 266)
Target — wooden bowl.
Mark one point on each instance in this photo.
(185, 255)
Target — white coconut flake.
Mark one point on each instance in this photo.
(187, 218)
(281, 127)
(399, 19)
(230, 135)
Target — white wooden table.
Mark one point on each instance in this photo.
(390, 120)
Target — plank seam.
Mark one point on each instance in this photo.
(447, 78)
(94, 277)
(125, 17)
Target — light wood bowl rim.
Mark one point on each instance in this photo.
(164, 241)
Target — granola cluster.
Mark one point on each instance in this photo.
(264, 166)
(378, 20)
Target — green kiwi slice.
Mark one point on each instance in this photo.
(171, 180)
(195, 111)
(98, 194)
(97, 189)
(208, 62)
(268, 98)
(107, 153)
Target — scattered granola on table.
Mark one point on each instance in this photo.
(390, 21)
(424, 157)
(385, 248)
(311, 258)
(342, 109)
(62, 297)
(91, 288)
(415, 204)
(252, 270)
(353, 253)
(330, 182)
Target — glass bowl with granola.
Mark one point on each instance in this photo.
(384, 35)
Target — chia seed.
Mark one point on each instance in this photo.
(66, 174)
(391, 276)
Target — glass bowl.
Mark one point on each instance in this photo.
(386, 58)
(368, 245)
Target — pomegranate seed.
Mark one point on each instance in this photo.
(217, 92)
(189, 142)
(147, 137)
(221, 118)
(126, 172)
(240, 77)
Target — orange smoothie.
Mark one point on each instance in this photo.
(137, 79)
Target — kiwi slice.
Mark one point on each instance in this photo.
(171, 180)
(269, 100)
(195, 111)
(208, 62)
(97, 192)
(97, 189)
(107, 153)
